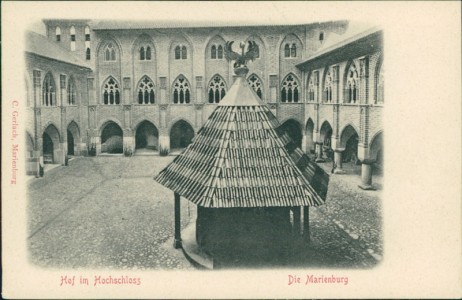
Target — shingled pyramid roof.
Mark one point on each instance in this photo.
(240, 158)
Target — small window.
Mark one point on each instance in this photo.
(220, 52)
(181, 52)
(311, 89)
(177, 52)
(287, 50)
(71, 92)
(48, 91)
(72, 34)
(88, 54)
(184, 53)
(213, 52)
(142, 53)
(321, 36)
(87, 33)
(148, 53)
(328, 87)
(293, 51)
(58, 34)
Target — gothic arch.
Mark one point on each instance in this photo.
(106, 41)
(376, 145)
(291, 37)
(261, 44)
(294, 129)
(148, 94)
(255, 84)
(181, 134)
(216, 88)
(146, 135)
(181, 39)
(217, 38)
(143, 40)
(174, 89)
(350, 64)
(377, 74)
(104, 122)
(347, 132)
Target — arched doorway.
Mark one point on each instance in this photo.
(51, 145)
(112, 138)
(73, 138)
(292, 128)
(309, 128)
(146, 137)
(349, 140)
(376, 152)
(326, 139)
(70, 143)
(181, 135)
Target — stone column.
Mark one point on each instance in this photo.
(38, 147)
(63, 90)
(177, 240)
(366, 176)
(164, 136)
(163, 90)
(64, 135)
(91, 91)
(127, 96)
(199, 90)
(338, 161)
(364, 79)
(273, 92)
(128, 139)
(319, 152)
(316, 86)
(199, 121)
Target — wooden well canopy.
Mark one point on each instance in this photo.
(240, 158)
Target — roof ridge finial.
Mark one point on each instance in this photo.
(240, 67)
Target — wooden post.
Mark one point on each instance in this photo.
(297, 220)
(177, 240)
(306, 224)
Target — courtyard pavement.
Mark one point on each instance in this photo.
(108, 212)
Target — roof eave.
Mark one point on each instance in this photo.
(60, 61)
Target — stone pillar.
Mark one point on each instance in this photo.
(64, 135)
(273, 93)
(305, 148)
(163, 90)
(335, 84)
(363, 79)
(38, 147)
(338, 161)
(177, 239)
(198, 121)
(127, 85)
(63, 90)
(366, 176)
(316, 85)
(199, 90)
(91, 91)
(319, 153)
(164, 135)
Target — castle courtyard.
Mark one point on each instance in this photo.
(108, 212)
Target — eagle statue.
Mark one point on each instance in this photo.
(241, 59)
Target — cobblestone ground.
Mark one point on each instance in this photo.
(108, 212)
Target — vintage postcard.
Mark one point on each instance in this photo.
(231, 150)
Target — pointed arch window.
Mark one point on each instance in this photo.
(109, 52)
(87, 34)
(289, 90)
(293, 50)
(111, 93)
(58, 34)
(88, 54)
(287, 50)
(311, 90)
(216, 52)
(49, 91)
(328, 87)
(146, 93)
(72, 38)
(181, 52)
(352, 85)
(181, 91)
(256, 85)
(217, 89)
(380, 87)
(145, 53)
(71, 92)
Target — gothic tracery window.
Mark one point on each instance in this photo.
(181, 91)
(217, 89)
(71, 92)
(146, 94)
(145, 53)
(352, 85)
(109, 53)
(328, 87)
(256, 85)
(111, 93)
(289, 90)
(49, 91)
